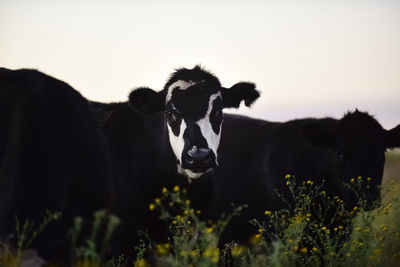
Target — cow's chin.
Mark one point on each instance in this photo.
(192, 175)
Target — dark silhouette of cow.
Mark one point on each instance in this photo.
(166, 138)
(255, 156)
(53, 157)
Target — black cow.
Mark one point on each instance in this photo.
(53, 157)
(255, 156)
(165, 138)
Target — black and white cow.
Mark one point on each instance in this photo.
(53, 156)
(166, 138)
(311, 149)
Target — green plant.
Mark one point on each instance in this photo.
(26, 235)
(93, 252)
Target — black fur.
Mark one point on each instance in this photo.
(241, 91)
(52, 157)
(255, 155)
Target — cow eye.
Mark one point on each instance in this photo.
(171, 117)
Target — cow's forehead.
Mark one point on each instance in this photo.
(193, 107)
(359, 131)
(192, 100)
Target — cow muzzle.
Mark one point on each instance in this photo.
(199, 160)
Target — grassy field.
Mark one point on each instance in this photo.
(302, 236)
(392, 166)
(392, 171)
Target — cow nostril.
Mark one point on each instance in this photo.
(199, 153)
(189, 161)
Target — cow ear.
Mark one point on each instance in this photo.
(241, 91)
(317, 135)
(147, 101)
(391, 137)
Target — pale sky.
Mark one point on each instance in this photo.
(308, 58)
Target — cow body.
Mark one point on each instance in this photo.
(52, 157)
(162, 139)
(142, 164)
(256, 155)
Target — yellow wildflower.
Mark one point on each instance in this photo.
(141, 263)
(162, 249)
(359, 177)
(295, 248)
(357, 229)
(157, 200)
(310, 182)
(183, 253)
(314, 249)
(267, 212)
(164, 190)
(352, 180)
(176, 188)
(303, 250)
(194, 253)
(198, 212)
(212, 253)
(369, 178)
(287, 176)
(323, 228)
(255, 238)
(209, 230)
(152, 206)
(187, 201)
(287, 183)
(308, 214)
(237, 251)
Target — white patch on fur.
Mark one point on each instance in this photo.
(191, 175)
(181, 84)
(188, 173)
(206, 129)
(177, 143)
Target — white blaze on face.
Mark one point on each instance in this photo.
(181, 85)
(206, 129)
(177, 142)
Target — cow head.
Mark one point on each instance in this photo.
(359, 142)
(192, 101)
